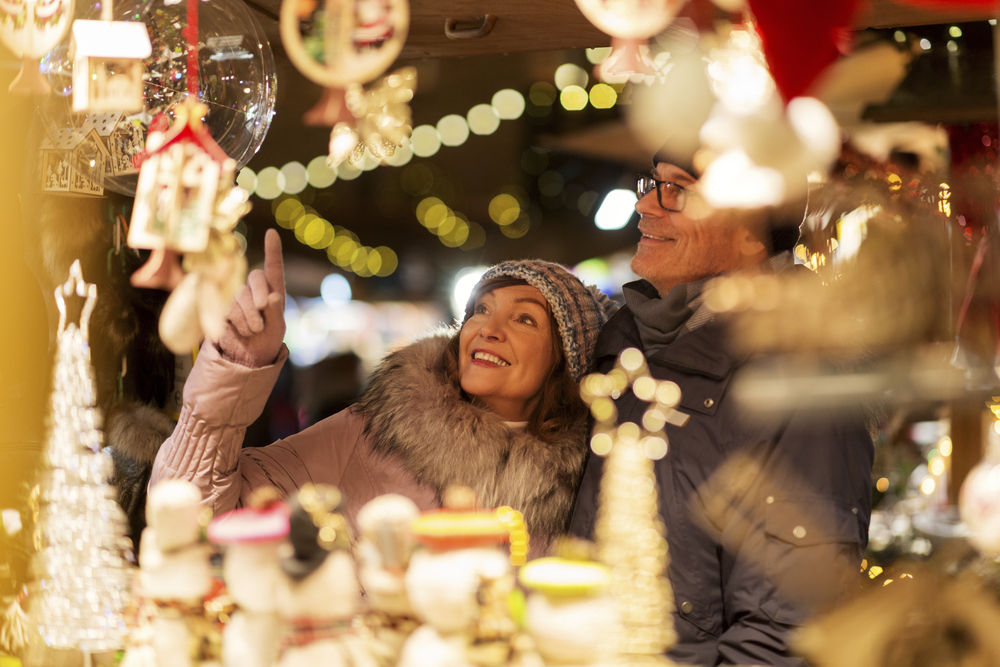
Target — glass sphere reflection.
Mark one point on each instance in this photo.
(236, 79)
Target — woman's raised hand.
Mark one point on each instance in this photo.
(256, 323)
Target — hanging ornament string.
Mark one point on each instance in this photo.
(191, 33)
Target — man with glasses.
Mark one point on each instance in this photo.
(767, 521)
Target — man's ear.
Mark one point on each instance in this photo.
(751, 247)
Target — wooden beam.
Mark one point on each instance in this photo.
(889, 14)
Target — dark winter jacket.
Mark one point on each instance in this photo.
(767, 521)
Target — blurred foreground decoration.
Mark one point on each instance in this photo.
(923, 619)
(630, 23)
(876, 318)
(30, 29)
(82, 573)
(629, 531)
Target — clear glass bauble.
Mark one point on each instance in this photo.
(236, 81)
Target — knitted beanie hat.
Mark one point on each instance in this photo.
(579, 310)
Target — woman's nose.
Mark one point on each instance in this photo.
(493, 328)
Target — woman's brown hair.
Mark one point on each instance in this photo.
(560, 407)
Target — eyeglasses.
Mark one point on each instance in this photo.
(670, 196)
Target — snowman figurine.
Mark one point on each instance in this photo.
(384, 548)
(252, 536)
(319, 595)
(569, 614)
(459, 587)
(174, 573)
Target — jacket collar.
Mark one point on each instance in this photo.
(704, 352)
(414, 414)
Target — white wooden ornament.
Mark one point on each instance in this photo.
(107, 65)
(32, 28)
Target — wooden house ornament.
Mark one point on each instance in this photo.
(183, 176)
(108, 65)
(76, 161)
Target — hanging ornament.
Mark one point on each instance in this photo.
(630, 23)
(107, 63)
(31, 28)
(383, 118)
(83, 584)
(186, 203)
(342, 44)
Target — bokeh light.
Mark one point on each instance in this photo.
(571, 75)
(477, 237)
(320, 174)
(504, 209)
(542, 94)
(616, 210)
(598, 55)
(518, 228)
(508, 103)
(465, 281)
(296, 178)
(945, 447)
(573, 98)
(270, 183)
(347, 171)
(335, 289)
(247, 179)
(483, 119)
(928, 485)
(424, 141)
(287, 212)
(453, 130)
(387, 261)
(603, 96)
(551, 183)
(416, 179)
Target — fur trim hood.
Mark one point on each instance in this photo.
(413, 413)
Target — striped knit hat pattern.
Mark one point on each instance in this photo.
(579, 310)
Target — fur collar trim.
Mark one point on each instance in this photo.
(413, 413)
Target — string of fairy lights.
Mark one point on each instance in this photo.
(508, 209)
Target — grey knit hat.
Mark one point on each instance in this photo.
(579, 310)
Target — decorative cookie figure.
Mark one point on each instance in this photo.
(384, 549)
(569, 614)
(459, 587)
(175, 572)
(252, 536)
(320, 594)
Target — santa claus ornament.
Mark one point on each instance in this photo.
(341, 45)
(32, 28)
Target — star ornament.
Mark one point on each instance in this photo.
(599, 391)
(75, 284)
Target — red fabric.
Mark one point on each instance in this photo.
(801, 39)
(949, 4)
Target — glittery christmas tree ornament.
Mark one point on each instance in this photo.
(82, 566)
(630, 534)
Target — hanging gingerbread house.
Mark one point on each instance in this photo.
(108, 65)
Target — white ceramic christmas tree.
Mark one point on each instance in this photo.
(82, 567)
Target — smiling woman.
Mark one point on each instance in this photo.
(494, 406)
